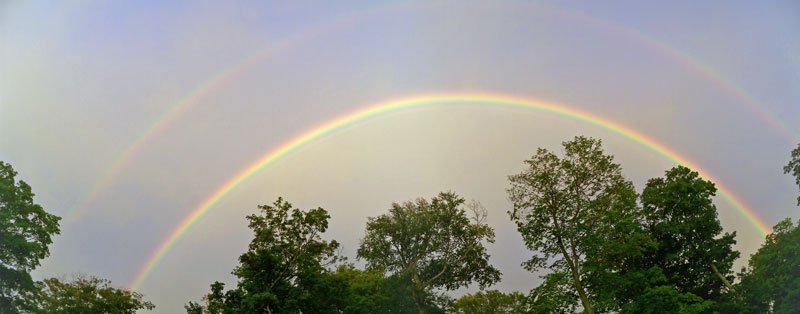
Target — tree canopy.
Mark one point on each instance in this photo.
(490, 302)
(771, 282)
(26, 230)
(669, 256)
(560, 204)
(88, 295)
(681, 217)
(372, 290)
(285, 268)
(607, 249)
(433, 242)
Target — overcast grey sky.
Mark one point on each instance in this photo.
(80, 82)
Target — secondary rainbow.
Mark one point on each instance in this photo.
(690, 62)
(418, 102)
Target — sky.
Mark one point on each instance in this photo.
(125, 117)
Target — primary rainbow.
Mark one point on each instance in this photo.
(425, 101)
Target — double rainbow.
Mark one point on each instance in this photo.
(230, 73)
(427, 101)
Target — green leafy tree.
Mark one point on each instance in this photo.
(433, 243)
(794, 167)
(285, 269)
(771, 283)
(670, 256)
(25, 232)
(693, 253)
(371, 291)
(490, 302)
(88, 295)
(560, 206)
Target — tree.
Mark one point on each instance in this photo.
(771, 283)
(285, 268)
(490, 302)
(669, 256)
(88, 295)
(794, 168)
(560, 204)
(371, 291)
(433, 243)
(692, 251)
(25, 232)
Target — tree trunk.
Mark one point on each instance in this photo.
(576, 276)
(578, 286)
(724, 280)
(418, 290)
(418, 300)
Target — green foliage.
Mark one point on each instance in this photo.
(555, 295)
(681, 217)
(88, 295)
(771, 283)
(432, 243)
(285, 268)
(794, 167)
(368, 291)
(666, 253)
(644, 290)
(371, 291)
(561, 204)
(25, 232)
(667, 256)
(666, 299)
(490, 302)
(618, 268)
(582, 217)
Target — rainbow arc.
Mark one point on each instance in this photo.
(385, 108)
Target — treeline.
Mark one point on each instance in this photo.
(605, 249)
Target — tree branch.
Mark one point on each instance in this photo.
(294, 258)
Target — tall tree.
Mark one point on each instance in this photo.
(433, 242)
(25, 232)
(622, 275)
(285, 269)
(794, 167)
(692, 251)
(88, 295)
(560, 205)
